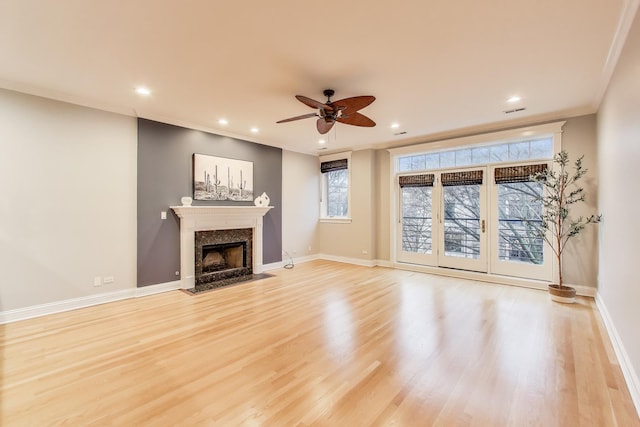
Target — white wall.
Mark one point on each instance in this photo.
(580, 266)
(300, 203)
(67, 200)
(619, 201)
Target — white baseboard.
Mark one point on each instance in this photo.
(18, 314)
(273, 266)
(630, 375)
(585, 291)
(347, 260)
(157, 289)
(300, 260)
(461, 274)
(281, 264)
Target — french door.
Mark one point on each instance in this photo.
(442, 219)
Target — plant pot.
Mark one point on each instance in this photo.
(565, 294)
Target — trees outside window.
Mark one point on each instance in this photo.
(337, 185)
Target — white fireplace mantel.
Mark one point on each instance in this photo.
(202, 218)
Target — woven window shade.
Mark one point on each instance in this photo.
(461, 178)
(511, 174)
(335, 165)
(424, 180)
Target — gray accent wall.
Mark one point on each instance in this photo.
(165, 175)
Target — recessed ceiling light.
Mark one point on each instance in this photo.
(144, 91)
(395, 125)
(223, 122)
(322, 141)
(513, 99)
(255, 130)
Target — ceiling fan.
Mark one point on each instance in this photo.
(342, 111)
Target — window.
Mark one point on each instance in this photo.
(541, 148)
(335, 187)
(478, 209)
(337, 192)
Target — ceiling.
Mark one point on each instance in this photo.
(435, 66)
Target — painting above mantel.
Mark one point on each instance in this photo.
(219, 178)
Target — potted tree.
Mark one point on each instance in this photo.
(556, 226)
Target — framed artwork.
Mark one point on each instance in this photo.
(219, 178)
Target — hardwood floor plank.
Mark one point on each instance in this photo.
(321, 344)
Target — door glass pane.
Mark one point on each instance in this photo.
(462, 221)
(517, 210)
(416, 219)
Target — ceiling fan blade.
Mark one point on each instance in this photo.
(313, 103)
(357, 119)
(304, 116)
(351, 105)
(324, 126)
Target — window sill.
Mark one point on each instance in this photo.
(337, 220)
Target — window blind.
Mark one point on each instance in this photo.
(523, 173)
(424, 180)
(334, 165)
(461, 178)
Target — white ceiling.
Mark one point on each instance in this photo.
(435, 66)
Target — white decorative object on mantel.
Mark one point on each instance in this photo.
(262, 200)
(202, 218)
(186, 201)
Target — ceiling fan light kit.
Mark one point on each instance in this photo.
(341, 111)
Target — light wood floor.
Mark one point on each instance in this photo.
(323, 344)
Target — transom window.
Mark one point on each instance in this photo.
(535, 149)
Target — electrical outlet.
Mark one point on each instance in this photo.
(163, 215)
(108, 279)
(177, 273)
(364, 252)
(97, 281)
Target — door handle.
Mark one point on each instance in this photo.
(483, 227)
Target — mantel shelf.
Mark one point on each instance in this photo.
(188, 211)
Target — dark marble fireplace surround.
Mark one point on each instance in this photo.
(222, 256)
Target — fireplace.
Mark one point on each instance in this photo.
(194, 219)
(222, 254)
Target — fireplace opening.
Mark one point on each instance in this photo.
(225, 256)
(222, 257)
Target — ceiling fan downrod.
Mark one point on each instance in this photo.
(328, 93)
